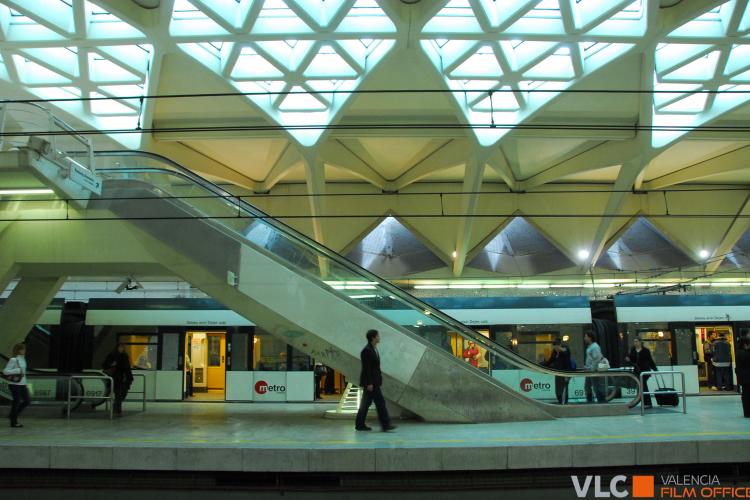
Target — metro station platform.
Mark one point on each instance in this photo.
(296, 438)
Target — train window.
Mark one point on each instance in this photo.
(142, 350)
(269, 353)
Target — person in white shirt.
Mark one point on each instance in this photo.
(15, 374)
(594, 386)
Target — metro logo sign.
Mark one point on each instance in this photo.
(262, 387)
(528, 385)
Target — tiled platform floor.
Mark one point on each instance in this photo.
(295, 437)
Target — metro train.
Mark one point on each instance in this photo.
(228, 353)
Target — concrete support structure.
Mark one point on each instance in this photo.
(24, 306)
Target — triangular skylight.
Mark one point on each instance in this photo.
(701, 68)
(642, 247)
(189, 19)
(519, 249)
(278, 56)
(392, 250)
(535, 70)
(320, 13)
(52, 56)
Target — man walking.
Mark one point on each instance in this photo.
(370, 380)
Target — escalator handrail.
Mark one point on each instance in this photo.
(292, 233)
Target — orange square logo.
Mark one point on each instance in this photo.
(643, 486)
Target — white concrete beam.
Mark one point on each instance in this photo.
(469, 202)
(602, 155)
(452, 153)
(340, 155)
(288, 158)
(22, 309)
(739, 159)
(740, 224)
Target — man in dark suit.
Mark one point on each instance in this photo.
(370, 380)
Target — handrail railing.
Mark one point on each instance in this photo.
(143, 392)
(656, 373)
(108, 398)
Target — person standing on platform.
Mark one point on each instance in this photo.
(370, 381)
(188, 377)
(742, 356)
(560, 360)
(722, 362)
(318, 371)
(642, 361)
(471, 354)
(15, 374)
(593, 387)
(117, 366)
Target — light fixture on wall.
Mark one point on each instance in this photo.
(704, 254)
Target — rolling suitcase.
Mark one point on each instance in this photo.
(665, 396)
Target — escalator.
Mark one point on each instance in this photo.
(49, 387)
(319, 302)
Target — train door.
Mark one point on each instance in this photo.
(206, 364)
(713, 342)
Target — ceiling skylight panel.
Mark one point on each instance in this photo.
(57, 14)
(32, 73)
(667, 92)
(498, 101)
(288, 52)
(741, 77)
(57, 92)
(701, 69)
(102, 24)
(708, 24)
(325, 85)
(632, 11)
(456, 17)
(527, 52)
(670, 56)
(366, 16)
(328, 63)
(321, 11)
(739, 59)
(692, 104)
(558, 66)
(482, 63)
(546, 8)
(277, 18)
(64, 59)
(103, 70)
(110, 107)
(250, 65)
(745, 21)
(301, 100)
(183, 9)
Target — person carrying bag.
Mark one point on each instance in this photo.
(15, 373)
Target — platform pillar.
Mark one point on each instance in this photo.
(24, 306)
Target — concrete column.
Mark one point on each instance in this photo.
(24, 306)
